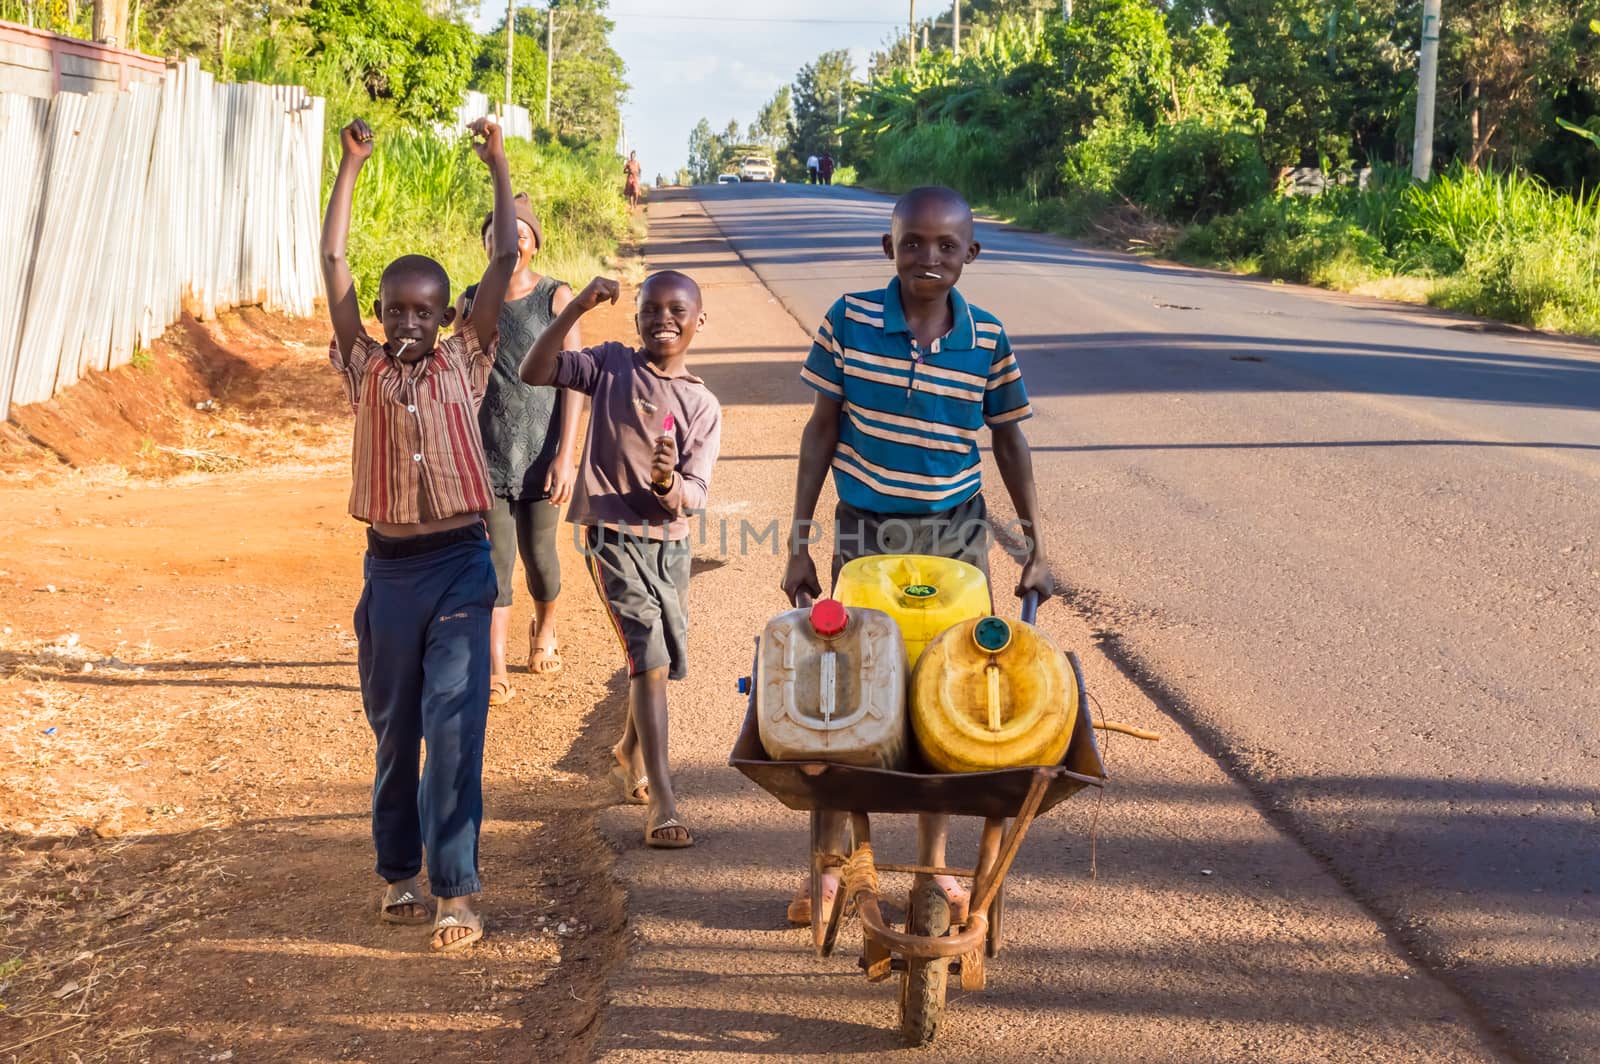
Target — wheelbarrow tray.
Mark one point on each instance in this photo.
(827, 785)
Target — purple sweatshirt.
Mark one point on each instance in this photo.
(631, 400)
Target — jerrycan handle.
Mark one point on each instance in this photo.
(1030, 607)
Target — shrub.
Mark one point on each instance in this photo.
(1295, 239)
(1195, 169)
(968, 158)
(1548, 281)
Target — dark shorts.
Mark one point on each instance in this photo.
(961, 532)
(645, 585)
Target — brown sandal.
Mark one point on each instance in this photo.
(500, 691)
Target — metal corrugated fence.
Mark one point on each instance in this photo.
(514, 121)
(124, 209)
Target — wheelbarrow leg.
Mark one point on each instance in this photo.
(988, 859)
(825, 857)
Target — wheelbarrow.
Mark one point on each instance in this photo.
(928, 949)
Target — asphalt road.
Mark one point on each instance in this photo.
(1351, 546)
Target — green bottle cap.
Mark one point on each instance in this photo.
(992, 635)
(920, 591)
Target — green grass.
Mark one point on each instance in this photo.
(1498, 245)
(420, 195)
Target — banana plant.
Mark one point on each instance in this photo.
(1583, 131)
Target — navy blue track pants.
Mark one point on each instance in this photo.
(422, 629)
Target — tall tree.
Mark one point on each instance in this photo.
(1333, 76)
(527, 63)
(589, 86)
(771, 127)
(821, 90)
(1502, 62)
(710, 152)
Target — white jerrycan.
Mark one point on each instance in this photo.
(831, 686)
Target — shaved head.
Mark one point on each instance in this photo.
(414, 269)
(671, 279)
(928, 199)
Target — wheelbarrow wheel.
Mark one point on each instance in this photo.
(997, 912)
(922, 985)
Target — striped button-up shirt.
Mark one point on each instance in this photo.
(908, 437)
(418, 455)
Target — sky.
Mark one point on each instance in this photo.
(722, 59)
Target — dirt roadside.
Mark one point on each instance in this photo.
(185, 869)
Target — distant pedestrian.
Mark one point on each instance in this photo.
(421, 485)
(632, 169)
(530, 439)
(813, 168)
(825, 168)
(654, 432)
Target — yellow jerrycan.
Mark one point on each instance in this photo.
(925, 595)
(831, 686)
(990, 694)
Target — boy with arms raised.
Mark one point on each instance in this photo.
(421, 484)
(654, 432)
(905, 377)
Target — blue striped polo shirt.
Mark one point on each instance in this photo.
(908, 435)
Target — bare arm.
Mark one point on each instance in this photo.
(1015, 461)
(356, 140)
(818, 442)
(571, 402)
(559, 481)
(539, 364)
(503, 258)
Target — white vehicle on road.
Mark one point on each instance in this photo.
(757, 168)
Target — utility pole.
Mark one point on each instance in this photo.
(511, 36)
(911, 34)
(110, 22)
(1427, 80)
(549, 57)
(1066, 10)
(955, 28)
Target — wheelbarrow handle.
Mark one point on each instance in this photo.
(1030, 606)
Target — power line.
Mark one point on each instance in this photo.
(737, 18)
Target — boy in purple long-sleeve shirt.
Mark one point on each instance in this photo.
(654, 431)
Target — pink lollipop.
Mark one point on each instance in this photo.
(667, 423)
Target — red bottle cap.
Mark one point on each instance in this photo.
(829, 617)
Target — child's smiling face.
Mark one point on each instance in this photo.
(668, 315)
(411, 306)
(930, 240)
